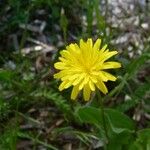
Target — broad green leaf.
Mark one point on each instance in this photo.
(118, 121)
(90, 115)
(120, 141)
(122, 128)
(119, 126)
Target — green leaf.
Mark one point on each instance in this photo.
(118, 121)
(90, 115)
(119, 126)
(57, 99)
(143, 140)
(122, 128)
(135, 146)
(5, 75)
(120, 141)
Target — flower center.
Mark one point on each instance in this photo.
(87, 69)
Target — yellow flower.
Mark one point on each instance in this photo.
(83, 67)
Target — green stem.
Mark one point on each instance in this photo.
(103, 117)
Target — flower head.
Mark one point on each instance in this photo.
(83, 67)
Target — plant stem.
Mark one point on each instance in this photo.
(103, 117)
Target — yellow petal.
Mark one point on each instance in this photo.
(102, 87)
(68, 84)
(82, 44)
(85, 81)
(78, 80)
(93, 79)
(61, 74)
(66, 77)
(77, 49)
(97, 44)
(62, 59)
(65, 54)
(62, 85)
(74, 92)
(109, 54)
(85, 52)
(74, 76)
(102, 77)
(86, 92)
(111, 65)
(103, 48)
(73, 48)
(90, 42)
(92, 87)
(109, 76)
(60, 65)
(58, 75)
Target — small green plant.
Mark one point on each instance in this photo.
(8, 139)
(33, 111)
(83, 67)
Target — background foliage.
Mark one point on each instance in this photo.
(33, 113)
